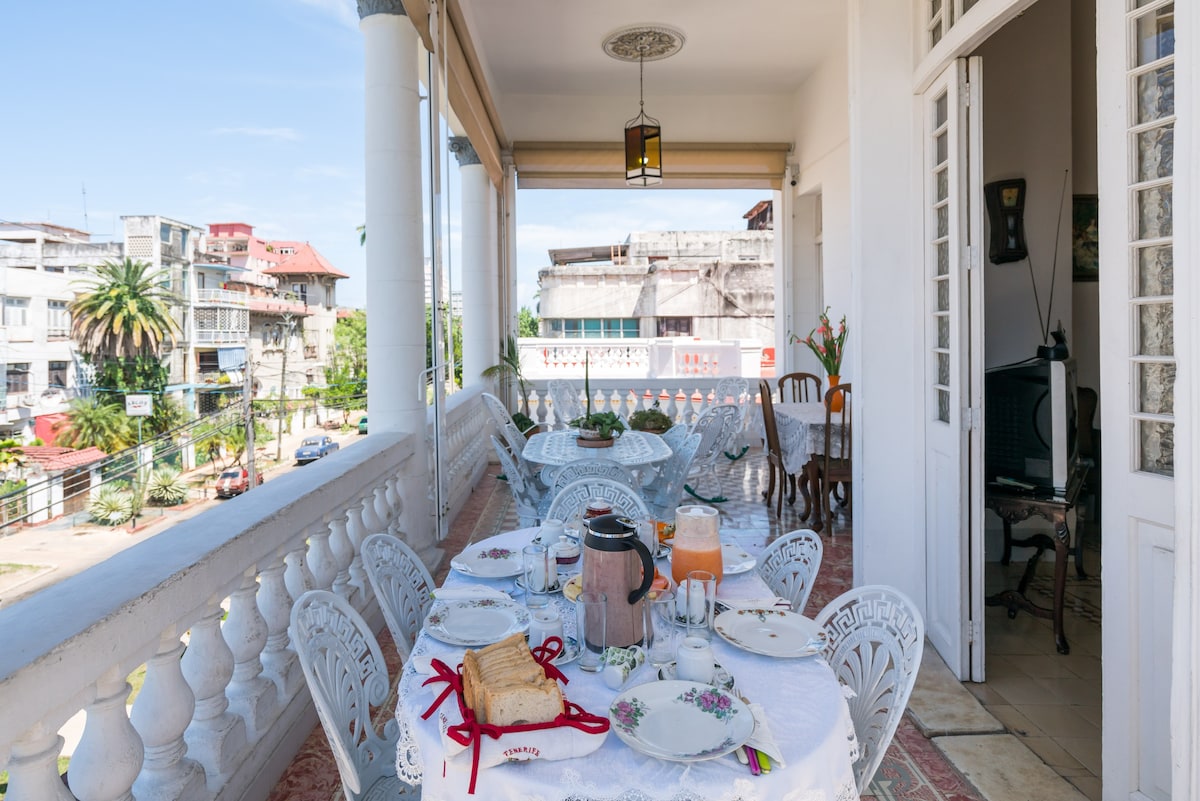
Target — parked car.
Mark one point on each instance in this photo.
(235, 482)
(314, 448)
(362, 424)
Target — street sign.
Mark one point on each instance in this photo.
(139, 405)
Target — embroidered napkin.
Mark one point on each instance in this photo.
(468, 592)
(763, 739)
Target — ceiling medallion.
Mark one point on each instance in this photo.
(644, 42)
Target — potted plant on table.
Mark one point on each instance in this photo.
(596, 429)
(651, 421)
(828, 347)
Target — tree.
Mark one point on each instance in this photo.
(350, 345)
(120, 321)
(11, 455)
(91, 423)
(527, 323)
(509, 367)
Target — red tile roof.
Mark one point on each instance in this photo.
(53, 458)
(305, 261)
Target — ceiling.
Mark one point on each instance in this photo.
(551, 81)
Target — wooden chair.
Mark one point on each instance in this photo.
(833, 470)
(1089, 445)
(799, 388)
(774, 452)
(875, 639)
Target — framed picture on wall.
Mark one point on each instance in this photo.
(1085, 238)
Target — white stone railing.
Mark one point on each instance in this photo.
(221, 718)
(681, 399)
(467, 447)
(227, 297)
(676, 357)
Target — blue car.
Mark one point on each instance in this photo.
(314, 448)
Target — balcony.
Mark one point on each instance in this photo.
(205, 336)
(222, 297)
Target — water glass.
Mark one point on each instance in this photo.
(590, 608)
(700, 588)
(647, 532)
(661, 631)
(539, 575)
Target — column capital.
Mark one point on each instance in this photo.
(464, 151)
(368, 7)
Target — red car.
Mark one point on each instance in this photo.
(235, 482)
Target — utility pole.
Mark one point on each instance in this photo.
(248, 409)
(286, 327)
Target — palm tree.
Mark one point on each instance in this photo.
(509, 367)
(89, 423)
(124, 312)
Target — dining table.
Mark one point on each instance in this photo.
(631, 449)
(801, 427)
(803, 706)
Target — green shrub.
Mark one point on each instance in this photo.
(112, 506)
(167, 488)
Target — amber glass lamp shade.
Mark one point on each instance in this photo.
(643, 152)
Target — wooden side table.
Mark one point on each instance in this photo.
(1014, 505)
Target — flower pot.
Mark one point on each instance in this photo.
(836, 401)
(590, 438)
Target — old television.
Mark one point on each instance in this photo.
(1030, 425)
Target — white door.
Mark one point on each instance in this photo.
(1136, 120)
(954, 375)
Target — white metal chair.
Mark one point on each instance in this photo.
(789, 565)
(522, 483)
(504, 423)
(564, 399)
(665, 492)
(347, 677)
(571, 499)
(735, 390)
(715, 426)
(587, 468)
(676, 434)
(402, 584)
(876, 636)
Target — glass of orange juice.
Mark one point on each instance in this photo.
(697, 544)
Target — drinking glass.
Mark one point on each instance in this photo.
(538, 575)
(647, 531)
(590, 608)
(700, 606)
(661, 630)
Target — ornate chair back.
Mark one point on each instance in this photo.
(521, 483)
(774, 451)
(789, 565)
(876, 635)
(402, 584)
(564, 399)
(504, 424)
(666, 491)
(571, 499)
(675, 435)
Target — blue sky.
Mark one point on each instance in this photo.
(243, 110)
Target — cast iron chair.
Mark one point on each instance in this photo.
(789, 566)
(664, 493)
(402, 584)
(715, 426)
(571, 500)
(564, 399)
(875, 639)
(523, 483)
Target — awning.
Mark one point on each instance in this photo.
(230, 359)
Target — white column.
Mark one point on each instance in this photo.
(394, 249)
(480, 342)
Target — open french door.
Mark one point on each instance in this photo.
(953, 386)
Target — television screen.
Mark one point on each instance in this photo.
(1030, 425)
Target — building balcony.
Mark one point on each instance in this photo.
(206, 336)
(205, 606)
(222, 297)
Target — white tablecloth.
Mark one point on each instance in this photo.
(802, 433)
(632, 448)
(805, 708)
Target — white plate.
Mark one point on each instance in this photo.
(490, 562)
(476, 622)
(772, 632)
(721, 676)
(680, 721)
(735, 559)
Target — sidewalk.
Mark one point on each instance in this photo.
(37, 557)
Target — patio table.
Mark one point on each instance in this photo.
(631, 449)
(805, 708)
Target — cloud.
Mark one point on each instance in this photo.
(321, 171)
(289, 134)
(344, 11)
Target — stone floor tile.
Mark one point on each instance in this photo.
(1003, 769)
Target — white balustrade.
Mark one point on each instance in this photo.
(321, 562)
(110, 753)
(343, 555)
(160, 715)
(215, 737)
(33, 769)
(251, 695)
(279, 662)
(631, 359)
(680, 399)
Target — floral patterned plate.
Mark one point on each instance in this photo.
(681, 721)
(476, 622)
(772, 632)
(486, 562)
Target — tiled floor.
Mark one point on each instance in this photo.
(1051, 702)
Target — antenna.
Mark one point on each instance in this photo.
(85, 219)
(1054, 265)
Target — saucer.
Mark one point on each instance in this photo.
(721, 677)
(557, 588)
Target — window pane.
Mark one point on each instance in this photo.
(941, 148)
(943, 401)
(943, 328)
(943, 183)
(1156, 388)
(1156, 330)
(1156, 447)
(943, 221)
(943, 258)
(1156, 35)
(1156, 153)
(1156, 94)
(941, 112)
(1154, 212)
(1156, 271)
(943, 295)
(943, 368)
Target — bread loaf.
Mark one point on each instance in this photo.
(504, 686)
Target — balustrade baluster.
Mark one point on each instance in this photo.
(321, 562)
(250, 694)
(371, 522)
(33, 768)
(343, 555)
(110, 751)
(296, 575)
(392, 486)
(381, 508)
(215, 737)
(279, 662)
(357, 532)
(161, 714)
